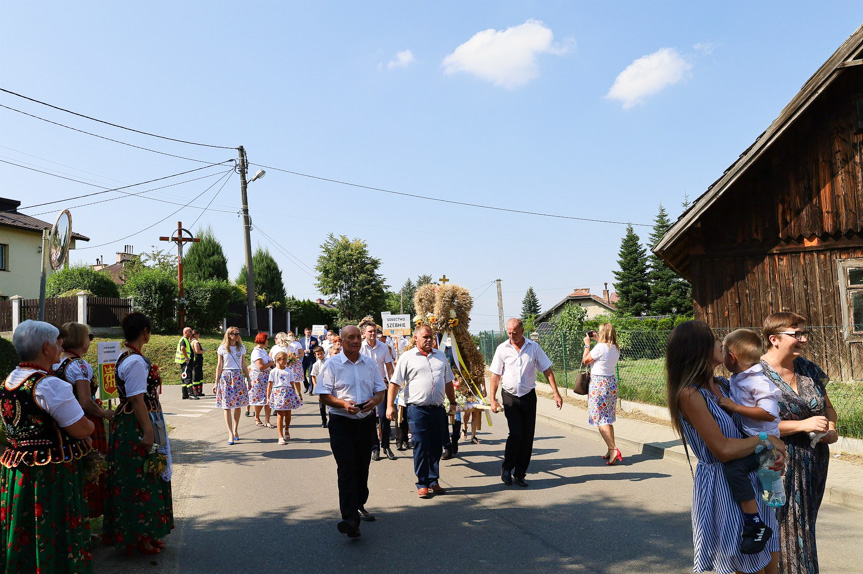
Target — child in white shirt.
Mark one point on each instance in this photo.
(282, 395)
(313, 374)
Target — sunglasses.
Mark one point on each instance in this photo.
(799, 335)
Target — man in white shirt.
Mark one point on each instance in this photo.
(426, 376)
(328, 341)
(380, 354)
(351, 386)
(514, 367)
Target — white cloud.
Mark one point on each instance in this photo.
(402, 60)
(648, 75)
(506, 58)
(704, 48)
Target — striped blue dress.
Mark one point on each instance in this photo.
(717, 521)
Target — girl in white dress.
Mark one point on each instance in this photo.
(283, 396)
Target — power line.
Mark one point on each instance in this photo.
(110, 124)
(451, 201)
(226, 175)
(58, 163)
(105, 190)
(102, 137)
(211, 203)
(291, 257)
(141, 195)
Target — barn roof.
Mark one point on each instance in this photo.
(849, 54)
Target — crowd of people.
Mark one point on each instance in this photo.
(70, 459)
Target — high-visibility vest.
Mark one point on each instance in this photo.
(178, 356)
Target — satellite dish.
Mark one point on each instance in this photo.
(60, 239)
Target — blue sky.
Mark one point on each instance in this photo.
(598, 110)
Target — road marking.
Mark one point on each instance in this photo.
(183, 415)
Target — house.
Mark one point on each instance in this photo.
(593, 304)
(782, 229)
(115, 270)
(20, 250)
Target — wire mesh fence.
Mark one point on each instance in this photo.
(641, 369)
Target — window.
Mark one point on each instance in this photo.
(4, 257)
(851, 294)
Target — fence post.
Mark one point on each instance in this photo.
(563, 348)
(270, 317)
(288, 318)
(82, 307)
(16, 310)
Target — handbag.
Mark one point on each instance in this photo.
(160, 430)
(582, 382)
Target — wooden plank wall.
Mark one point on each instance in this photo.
(734, 292)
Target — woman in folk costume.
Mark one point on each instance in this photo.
(139, 510)
(78, 372)
(43, 514)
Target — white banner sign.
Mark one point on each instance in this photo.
(397, 324)
(319, 330)
(107, 352)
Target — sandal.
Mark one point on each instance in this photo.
(259, 423)
(474, 440)
(269, 425)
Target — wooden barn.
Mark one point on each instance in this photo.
(782, 229)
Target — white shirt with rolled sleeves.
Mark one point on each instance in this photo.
(380, 354)
(423, 376)
(752, 388)
(349, 381)
(517, 369)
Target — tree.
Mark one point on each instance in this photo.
(207, 302)
(154, 292)
(530, 305)
(159, 259)
(80, 277)
(348, 273)
(632, 286)
(269, 288)
(305, 313)
(670, 294)
(404, 298)
(205, 260)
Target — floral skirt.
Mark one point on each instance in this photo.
(258, 392)
(96, 492)
(231, 393)
(602, 400)
(43, 520)
(285, 399)
(139, 504)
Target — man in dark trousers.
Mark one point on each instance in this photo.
(426, 376)
(351, 385)
(309, 343)
(183, 357)
(514, 367)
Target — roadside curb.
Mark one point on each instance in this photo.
(673, 450)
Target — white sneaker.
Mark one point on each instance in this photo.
(282, 441)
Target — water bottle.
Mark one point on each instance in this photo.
(772, 483)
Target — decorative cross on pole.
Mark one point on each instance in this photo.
(444, 280)
(180, 237)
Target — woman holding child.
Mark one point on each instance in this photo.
(714, 437)
(804, 409)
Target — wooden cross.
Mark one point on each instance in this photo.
(444, 280)
(182, 236)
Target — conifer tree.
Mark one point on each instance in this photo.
(670, 294)
(530, 305)
(269, 287)
(631, 282)
(205, 260)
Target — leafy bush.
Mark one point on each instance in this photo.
(207, 302)
(305, 313)
(81, 278)
(154, 292)
(8, 358)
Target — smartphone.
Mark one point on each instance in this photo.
(362, 405)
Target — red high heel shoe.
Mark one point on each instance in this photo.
(616, 457)
(157, 543)
(147, 551)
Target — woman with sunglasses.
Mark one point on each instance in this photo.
(74, 369)
(231, 387)
(807, 425)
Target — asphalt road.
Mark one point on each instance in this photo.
(260, 507)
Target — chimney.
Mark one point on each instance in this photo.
(605, 296)
(319, 301)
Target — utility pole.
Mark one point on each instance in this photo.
(500, 308)
(247, 228)
(183, 236)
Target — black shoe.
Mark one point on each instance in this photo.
(401, 446)
(324, 424)
(185, 392)
(376, 455)
(755, 537)
(446, 455)
(519, 481)
(349, 527)
(193, 396)
(366, 516)
(506, 477)
(389, 453)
